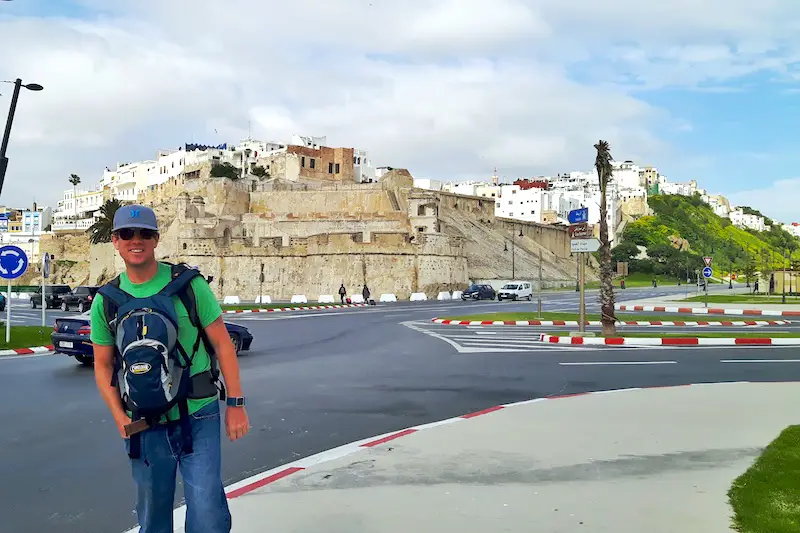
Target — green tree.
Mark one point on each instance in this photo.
(624, 251)
(225, 170)
(100, 231)
(259, 172)
(602, 165)
(74, 179)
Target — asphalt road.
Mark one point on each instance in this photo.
(314, 380)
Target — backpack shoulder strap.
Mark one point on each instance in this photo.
(113, 299)
(186, 294)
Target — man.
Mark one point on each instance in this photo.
(135, 236)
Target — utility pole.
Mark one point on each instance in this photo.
(540, 283)
(583, 292)
(7, 133)
(783, 282)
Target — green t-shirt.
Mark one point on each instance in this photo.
(208, 309)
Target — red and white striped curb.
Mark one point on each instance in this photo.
(271, 476)
(671, 341)
(27, 351)
(303, 308)
(598, 323)
(704, 310)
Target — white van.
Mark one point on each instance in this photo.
(516, 290)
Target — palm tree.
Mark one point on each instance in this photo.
(602, 164)
(74, 179)
(101, 230)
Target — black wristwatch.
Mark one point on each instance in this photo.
(234, 401)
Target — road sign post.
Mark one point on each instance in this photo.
(584, 245)
(45, 275)
(707, 273)
(13, 264)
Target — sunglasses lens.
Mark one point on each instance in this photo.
(127, 234)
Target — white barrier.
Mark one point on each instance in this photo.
(263, 299)
(444, 296)
(388, 297)
(326, 299)
(457, 295)
(299, 299)
(23, 296)
(418, 297)
(231, 300)
(357, 299)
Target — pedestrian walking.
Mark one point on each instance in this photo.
(342, 293)
(158, 370)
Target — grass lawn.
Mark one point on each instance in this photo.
(25, 336)
(637, 279)
(766, 498)
(742, 299)
(702, 334)
(229, 307)
(589, 316)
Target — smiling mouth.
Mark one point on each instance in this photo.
(136, 250)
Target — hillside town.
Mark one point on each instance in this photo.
(540, 199)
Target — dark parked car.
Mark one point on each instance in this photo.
(479, 292)
(81, 298)
(71, 337)
(52, 295)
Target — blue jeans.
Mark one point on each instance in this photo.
(155, 471)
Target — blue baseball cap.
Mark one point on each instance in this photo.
(135, 216)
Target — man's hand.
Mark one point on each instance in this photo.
(122, 421)
(237, 425)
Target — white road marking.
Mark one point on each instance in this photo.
(600, 363)
(759, 361)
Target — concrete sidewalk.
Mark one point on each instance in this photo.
(791, 304)
(655, 460)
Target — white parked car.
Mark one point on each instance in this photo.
(516, 290)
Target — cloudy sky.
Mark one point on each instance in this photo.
(449, 89)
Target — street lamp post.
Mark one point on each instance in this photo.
(4, 146)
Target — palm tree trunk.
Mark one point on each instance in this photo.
(608, 318)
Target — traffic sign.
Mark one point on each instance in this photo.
(707, 272)
(13, 262)
(576, 216)
(707, 261)
(580, 231)
(584, 245)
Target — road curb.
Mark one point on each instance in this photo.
(598, 323)
(705, 311)
(671, 341)
(263, 479)
(27, 351)
(304, 308)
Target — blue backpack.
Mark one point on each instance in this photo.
(152, 371)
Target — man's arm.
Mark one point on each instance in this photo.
(103, 347)
(226, 355)
(103, 371)
(236, 423)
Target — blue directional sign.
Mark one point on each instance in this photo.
(576, 216)
(13, 262)
(707, 272)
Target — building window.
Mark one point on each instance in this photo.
(337, 168)
(330, 168)
(312, 163)
(303, 162)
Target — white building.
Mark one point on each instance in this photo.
(742, 220)
(523, 204)
(793, 228)
(427, 183)
(625, 175)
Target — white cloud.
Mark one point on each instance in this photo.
(778, 200)
(446, 88)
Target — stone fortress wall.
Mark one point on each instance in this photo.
(267, 236)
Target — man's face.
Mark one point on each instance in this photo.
(137, 247)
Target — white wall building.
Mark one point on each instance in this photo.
(742, 220)
(427, 183)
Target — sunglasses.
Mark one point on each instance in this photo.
(127, 234)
